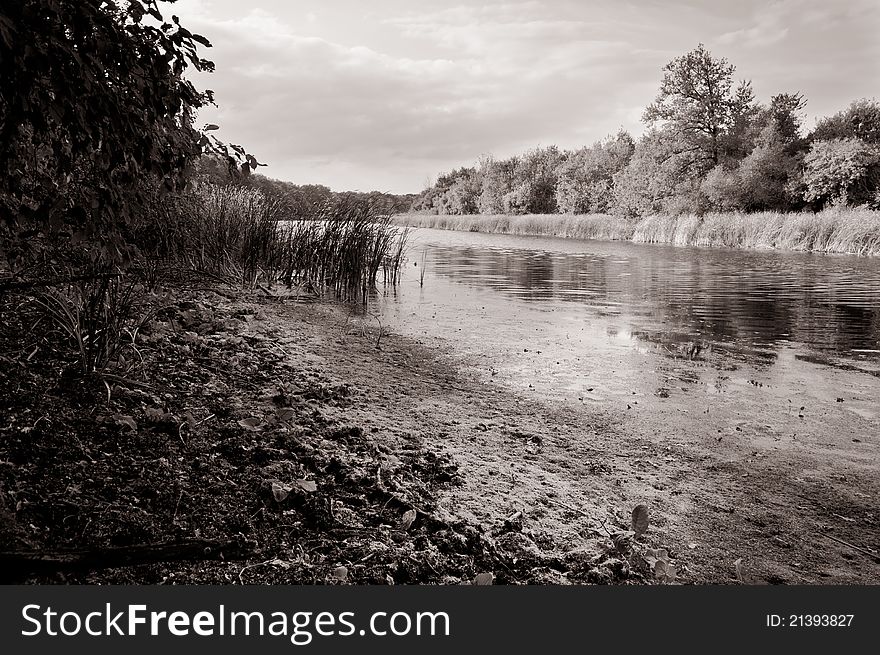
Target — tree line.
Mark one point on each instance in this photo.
(298, 201)
(709, 146)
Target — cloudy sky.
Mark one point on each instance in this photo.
(384, 94)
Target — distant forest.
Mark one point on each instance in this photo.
(298, 200)
(710, 146)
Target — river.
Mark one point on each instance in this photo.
(787, 340)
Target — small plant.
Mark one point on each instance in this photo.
(99, 315)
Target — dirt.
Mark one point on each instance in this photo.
(313, 447)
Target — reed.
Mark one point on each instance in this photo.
(587, 226)
(837, 230)
(850, 231)
(237, 234)
(345, 249)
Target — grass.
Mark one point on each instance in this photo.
(589, 226)
(344, 250)
(228, 233)
(852, 231)
(237, 234)
(99, 315)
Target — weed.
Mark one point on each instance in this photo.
(100, 316)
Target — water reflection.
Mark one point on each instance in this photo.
(686, 301)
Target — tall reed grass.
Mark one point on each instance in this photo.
(852, 231)
(237, 234)
(344, 249)
(586, 226)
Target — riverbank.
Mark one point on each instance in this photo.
(845, 231)
(270, 441)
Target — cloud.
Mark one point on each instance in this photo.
(382, 96)
(303, 98)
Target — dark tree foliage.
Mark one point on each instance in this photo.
(95, 114)
(309, 200)
(785, 112)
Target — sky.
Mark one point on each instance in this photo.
(385, 94)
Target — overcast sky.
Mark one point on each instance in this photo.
(385, 94)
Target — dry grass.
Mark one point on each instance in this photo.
(853, 231)
(589, 226)
(850, 231)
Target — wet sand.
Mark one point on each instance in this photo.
(768, 487)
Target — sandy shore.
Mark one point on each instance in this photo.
(572, 474)
(320, 449)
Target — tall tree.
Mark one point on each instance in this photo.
(696, 103)
(741, 133)
(785, 111)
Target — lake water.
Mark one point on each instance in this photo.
(590, 321)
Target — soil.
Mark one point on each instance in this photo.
(293, 441)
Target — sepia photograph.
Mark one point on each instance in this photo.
(515, 292)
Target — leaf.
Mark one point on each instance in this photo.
(279, 492)
(640, 519)
(285, 414)
(252, 424)
(660, 567)
(407, 519)
(664, 571)
(306, 485)
(483, 579)
(341, 573)
(125, 420)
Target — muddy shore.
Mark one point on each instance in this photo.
(263, 440)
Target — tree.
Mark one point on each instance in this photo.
(586, 178)
(94, 108)
(740, 137)
(784, 113)
(843, 171)
(462, 195)
(497, 177)
(860, 120)
(660, 177)
(457, 192)
(765, 174)
(696, 104)
(722, 188)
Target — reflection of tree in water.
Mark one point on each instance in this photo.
(692, 301)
